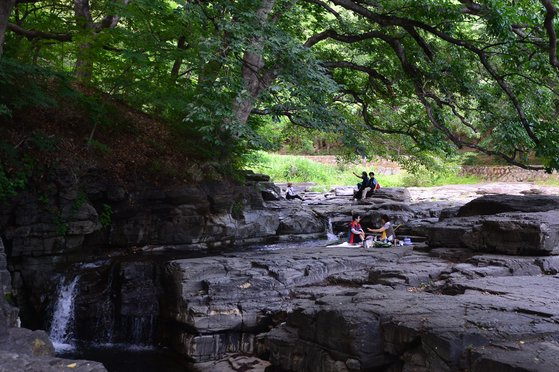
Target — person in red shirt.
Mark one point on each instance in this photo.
(356, 233)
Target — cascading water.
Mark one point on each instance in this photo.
(61, 327)
(330, 231)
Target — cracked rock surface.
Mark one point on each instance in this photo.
(335, 309)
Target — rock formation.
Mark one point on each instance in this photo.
(174, 267)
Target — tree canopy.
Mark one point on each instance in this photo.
(388, 77)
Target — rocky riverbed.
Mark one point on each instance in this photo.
(474, 293)
(448, 304)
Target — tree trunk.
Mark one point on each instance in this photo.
(253, 64)
(83, 69)
(178, 61)
(6, 7)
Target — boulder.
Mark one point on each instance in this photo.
(256, 177)
(508, 233)
(269, 191)
(495, 204)
(398, 194)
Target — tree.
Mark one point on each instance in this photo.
(419, 76)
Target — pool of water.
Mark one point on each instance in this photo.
(129, 358)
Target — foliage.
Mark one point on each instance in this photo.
(105, 217)
(291, 168)
(23, 86)
(14, 171)
(391, 78)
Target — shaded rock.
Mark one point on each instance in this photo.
(494, 204)
(256, 177)
(517, 357)
(508, 233)
(234, 363)
(449, 212)
(25, 341)
(452, 254)
(10, 362)
(269, 191)
(300, 222)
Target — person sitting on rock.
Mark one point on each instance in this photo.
(361, 185)
(356, 233)
(291, 194)
(387, 230)
(372, 187)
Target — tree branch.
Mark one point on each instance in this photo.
(353, 66)
(384, 20)
(331, 34)
(32, 34)
(325, 6)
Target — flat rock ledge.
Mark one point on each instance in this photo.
(347, 309)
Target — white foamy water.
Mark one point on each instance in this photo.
(330, 232)
(63, 315)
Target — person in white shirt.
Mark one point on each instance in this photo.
(290, 194)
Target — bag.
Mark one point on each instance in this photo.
(382, 245)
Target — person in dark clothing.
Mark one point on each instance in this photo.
(361, 185)
(373, 185)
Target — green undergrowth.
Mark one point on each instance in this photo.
(293, 168)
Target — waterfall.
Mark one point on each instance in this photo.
(330, 231)
(61, 326)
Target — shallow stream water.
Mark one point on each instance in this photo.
(127, 358)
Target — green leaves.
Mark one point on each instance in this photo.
(185, 62)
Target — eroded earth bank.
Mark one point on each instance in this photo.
(237, 278)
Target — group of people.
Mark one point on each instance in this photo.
(357, 234)
(368, 185)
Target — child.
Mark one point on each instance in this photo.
(356, 233)
(291, 193)
(387, 230)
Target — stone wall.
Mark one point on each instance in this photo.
(507, 174)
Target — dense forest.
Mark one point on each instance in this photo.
(395, 78)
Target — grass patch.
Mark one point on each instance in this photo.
(292, 168)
